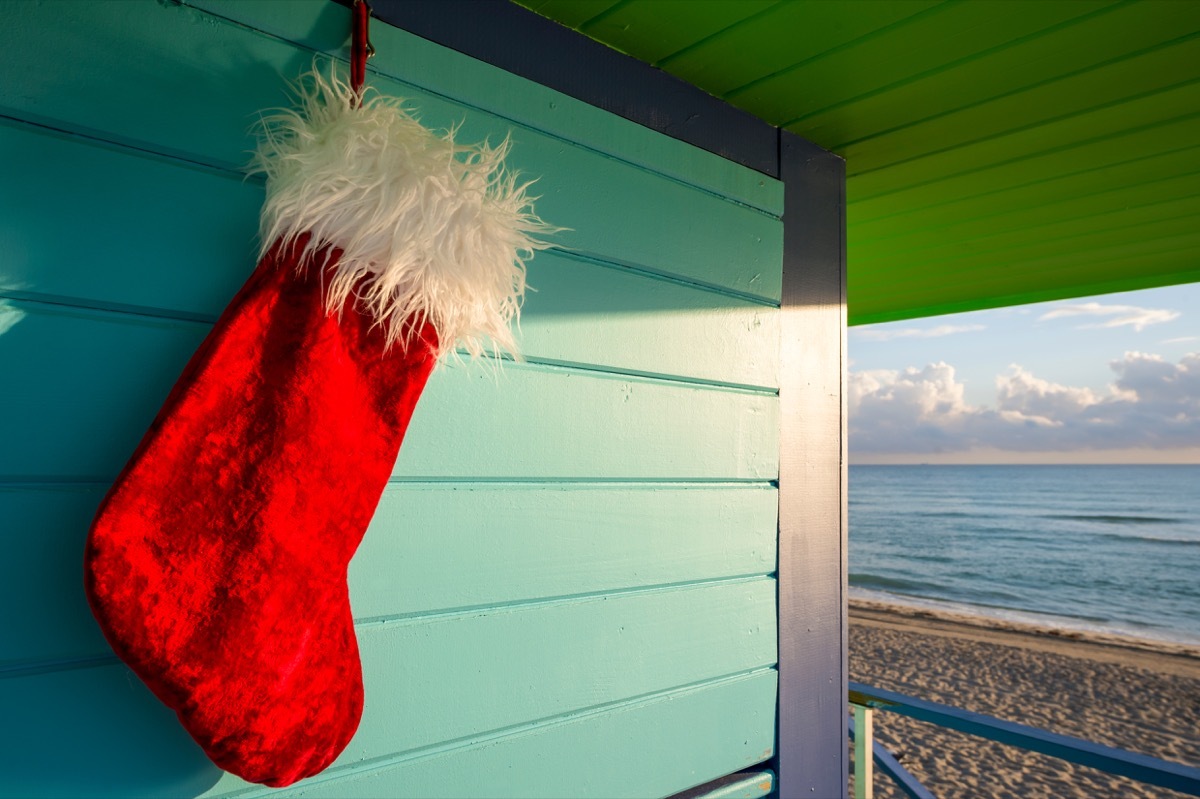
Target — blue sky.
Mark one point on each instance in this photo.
(1107, 379)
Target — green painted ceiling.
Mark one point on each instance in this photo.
(997, 151)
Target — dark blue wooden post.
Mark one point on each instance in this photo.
(811, 757)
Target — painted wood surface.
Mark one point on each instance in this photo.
(505, 545)
(575, 554)
(633, 750)
(812, 755)
(739, 785)
(706, 238)
(415, 61)
(193, 253)
(84, 385)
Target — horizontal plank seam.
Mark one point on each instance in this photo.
(86, 482)
(133, 312)
(32, 668)
(642, 270)
(29, 668)
(128, 146)
(1062, 148)
(492, 737)
(1166, 278)
(1052, 221)
(106, 308)
(877, 33)
(552, 364)
(958, 62)
(664, 61)
(1002, 245)
(1041, 123)
(422, 617)
(915, 209)
(458, 101)
(1026, 88)
(591, 259)
(648, 483)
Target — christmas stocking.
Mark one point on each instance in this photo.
(216, 564)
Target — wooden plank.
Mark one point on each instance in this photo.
(42, 534)
(554, 541)
(812, 758)
(1059, 139)
(181, 46)
(139, 231)
(788, 34)
(573, 13)
(707, 239)
(583, 313)
(634, 28)
(1116, 32)
(1159, 198)
(530, 424)
(652, 747)
(867, 66)
(503, 544)
(193, 254)
(477, 672)
(453, 678)
(1054, 245)
(87, 384)
(1140, 176)
(1110, 83)
(95, 733)
(740, 785)
(1090, 155)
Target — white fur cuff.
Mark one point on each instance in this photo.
(429, 230)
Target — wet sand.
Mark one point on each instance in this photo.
(1138, 695)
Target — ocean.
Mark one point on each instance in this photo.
(1093, 548)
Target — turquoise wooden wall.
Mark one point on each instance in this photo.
(568, 587)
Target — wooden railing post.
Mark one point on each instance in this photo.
(864, 752)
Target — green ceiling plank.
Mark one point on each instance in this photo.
(1111, 149)
(1126, 274)
(1067, 286)
(571, 13)
(789, 33)
(654, 29)
(1157, 199)
(1114, 83)
(912, 284)
(1052, 249)
(925, 45)
(1110, 34)
(973, 215)
(1060, 138)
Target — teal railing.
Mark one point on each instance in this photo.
(864, 700)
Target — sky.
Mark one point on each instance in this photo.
(1106, 379)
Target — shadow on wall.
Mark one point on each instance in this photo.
(76, 720)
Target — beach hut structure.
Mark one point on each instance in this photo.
(619, 567)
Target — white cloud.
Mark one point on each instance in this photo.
(1121, 315)
(1180, 340)
(1152, 404)
(916, 332)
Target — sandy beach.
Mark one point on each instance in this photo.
(1137, 695)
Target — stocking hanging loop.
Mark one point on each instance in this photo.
(360, 45)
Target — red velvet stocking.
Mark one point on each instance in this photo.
(217, 563)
